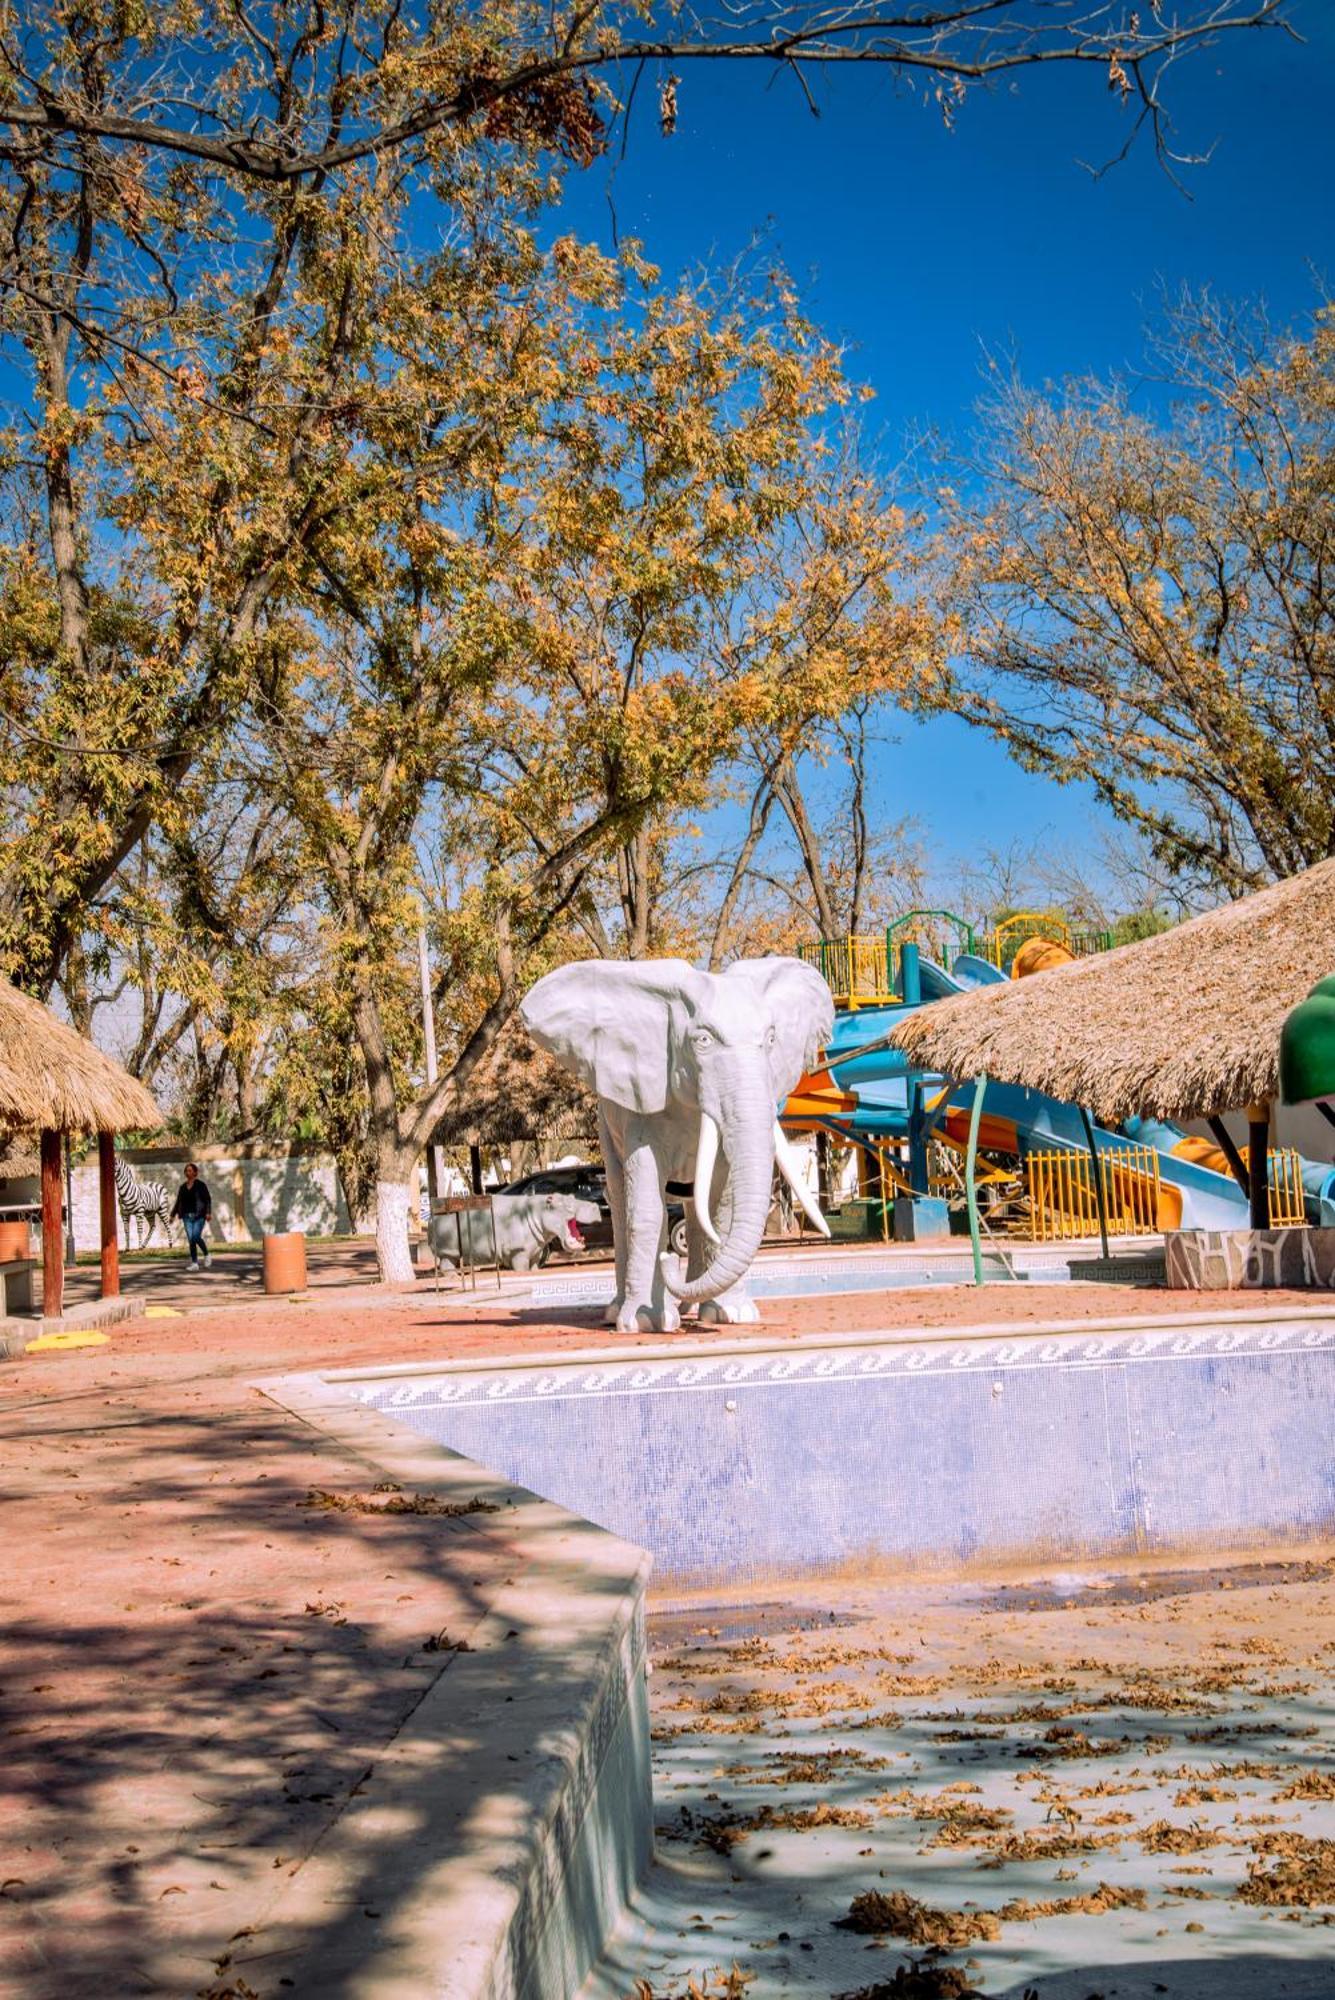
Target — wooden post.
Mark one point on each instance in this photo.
(107, 1217)
(53, 1245)
(1237, 1165)
(1258, 1164)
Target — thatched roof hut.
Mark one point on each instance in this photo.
(518, 1092)
(1183, 1025)
(52, 1079)
(52, 1082)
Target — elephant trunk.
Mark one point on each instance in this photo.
(747, 1131)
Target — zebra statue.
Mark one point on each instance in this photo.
(147, 1201)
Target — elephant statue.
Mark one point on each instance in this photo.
(690, 1069)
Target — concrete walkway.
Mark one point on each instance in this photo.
(199, 1666)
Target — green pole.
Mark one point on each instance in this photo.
(970, 1187)
(1099, 1201)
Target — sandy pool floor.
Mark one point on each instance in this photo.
(1091, 1787)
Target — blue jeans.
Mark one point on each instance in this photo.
(194, 1234)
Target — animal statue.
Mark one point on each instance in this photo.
(148, 1202)
(528, 1226)
(690, 1069)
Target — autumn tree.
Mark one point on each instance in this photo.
(816, 628)
(1147, 587)
(290, 94)
(168, 177)
(501, 654)
(840, 634)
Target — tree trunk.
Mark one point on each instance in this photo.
(393, 1206)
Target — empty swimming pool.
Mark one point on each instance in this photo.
(747, 1460)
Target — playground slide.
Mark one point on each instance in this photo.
(866, 1090)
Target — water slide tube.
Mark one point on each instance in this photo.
(864, 1091)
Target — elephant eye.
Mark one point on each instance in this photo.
(702, 1038)
(771, 1036)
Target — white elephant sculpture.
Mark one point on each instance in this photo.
(690, 1069)
(526, 1224)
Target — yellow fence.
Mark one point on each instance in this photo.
(1287, 1209)
(1063, 1203)
(1000, 945)
(856, 969)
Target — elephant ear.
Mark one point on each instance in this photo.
(801, 1008)
(613, 1024)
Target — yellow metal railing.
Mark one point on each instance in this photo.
(856, 969)
(1001, 944)
(1063, 1202)
(1287, 1208)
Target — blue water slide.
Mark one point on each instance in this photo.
(881, 1079)
(1318, 1178)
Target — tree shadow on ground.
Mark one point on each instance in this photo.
(210, 1674)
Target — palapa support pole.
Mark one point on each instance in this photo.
(1237, 1165)
(1258, 1164)
(109, 1227)
(970, 1185)
(1100, 1200)
(53, 1247)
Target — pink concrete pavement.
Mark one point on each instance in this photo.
(198, 1668)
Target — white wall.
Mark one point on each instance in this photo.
(254, 1194)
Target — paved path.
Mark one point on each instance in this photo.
(198, 1667)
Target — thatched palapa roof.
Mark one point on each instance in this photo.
(519, 1091)
(52, 1079)
(1182, 1025)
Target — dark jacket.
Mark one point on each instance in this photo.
(194, 1200)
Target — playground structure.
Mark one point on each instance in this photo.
(1040, 1166)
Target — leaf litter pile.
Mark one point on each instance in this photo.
(977, 1785)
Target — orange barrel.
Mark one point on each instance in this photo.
(285, 1262)
(15, 1241)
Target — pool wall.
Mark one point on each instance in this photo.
(759, 1460)
(497, 1839)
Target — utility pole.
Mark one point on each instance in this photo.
(435, 1159)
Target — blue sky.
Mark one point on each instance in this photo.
(924, 248)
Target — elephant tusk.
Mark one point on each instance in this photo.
(705, 1156)
(785, 1161)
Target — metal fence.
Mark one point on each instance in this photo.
(1287, 1207)
(856, 969)
(1063, 1202)
(1001, 944)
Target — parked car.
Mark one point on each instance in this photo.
(589, 1183)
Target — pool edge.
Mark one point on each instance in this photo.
(535, 1845)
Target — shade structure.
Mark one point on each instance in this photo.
(518, 1092)
(1183, 1025)
(51, 1079)
(54, 1082)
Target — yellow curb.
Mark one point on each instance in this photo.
(161, 1312)
(75, 1338)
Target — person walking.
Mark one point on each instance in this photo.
(194, 1206)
